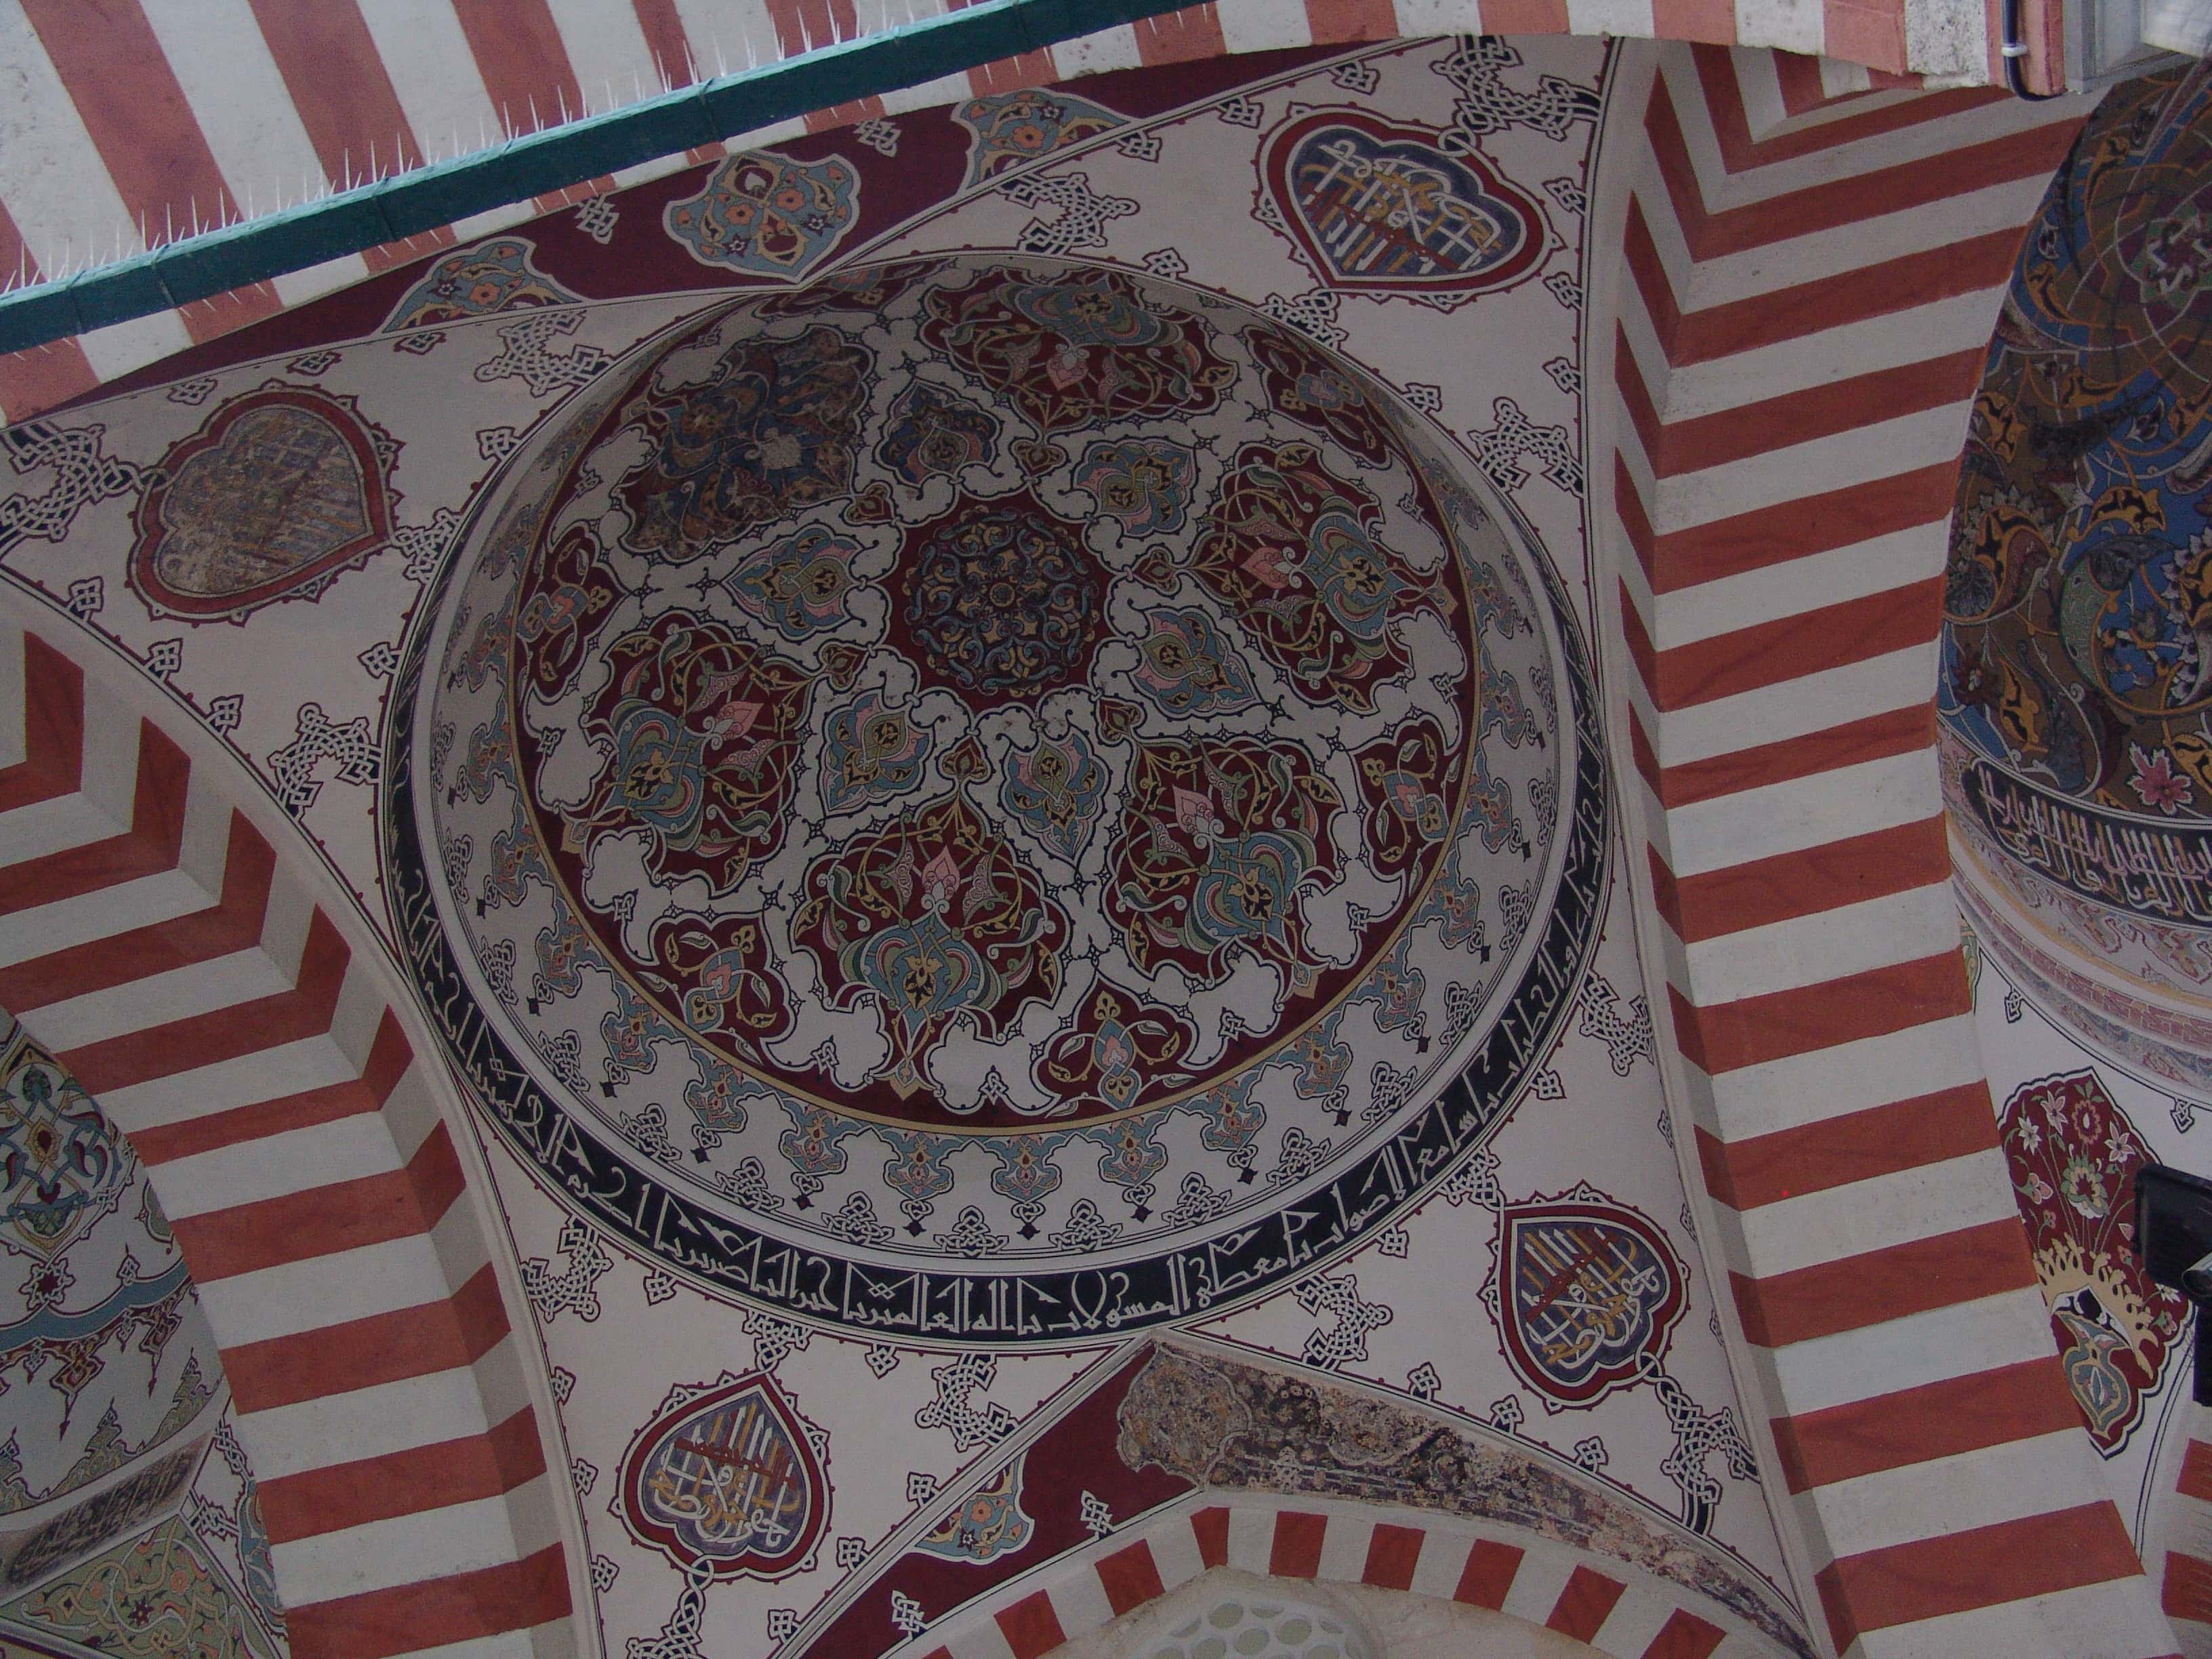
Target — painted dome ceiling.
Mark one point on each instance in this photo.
(991, 738)
(1031, 843)
(2077, 656)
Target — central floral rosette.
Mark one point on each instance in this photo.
(999, 600)
(988, 696)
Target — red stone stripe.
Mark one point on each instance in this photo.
(662, 26)
(161, 1143)
(1959, 1414)
(1030, 1626)
(2028, 154)
(1790, 885)
(1820, 411)
(360, 1353)
(53, 729)
(111, 62)
(1874, 737)
(1130, 1577)
(381, 1624)
(1393, 1554)
(1711, 20)
(2195, 1479)
(147, 848)
(345, 1215)
(1524, 17)
(525, 64)
(1838, 1152)
(1684, 1636)
(1210, 1527)
(1852, 1292)
(1343, 22)
(232, 923)
(1801, 91)
(2187, 1590)
(1296, 1551)
(1179, 37)
(1790, 648)
(1752, 1031)
(33, 381)
(338, 83)
(461, 1471)
(1870, 32)
(247, 1028)
(1488, 1576)
(1980, 1567)
(1584, 1604)
(1819, 523)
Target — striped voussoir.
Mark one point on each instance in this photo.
(136, 121)
(154, 940)
(1616, 1609)
(2186, 1523)
(1808, 299)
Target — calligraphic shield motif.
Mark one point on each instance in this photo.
(725, 1478)
(1588, 1294)
(1382, 208)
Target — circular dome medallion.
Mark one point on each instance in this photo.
(995, 775)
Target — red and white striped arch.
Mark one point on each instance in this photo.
(132, 122)
(1616, 1609)
(162, 940)
(2181, 1525)
(1800, 321)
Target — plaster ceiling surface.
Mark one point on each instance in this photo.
(982, 746)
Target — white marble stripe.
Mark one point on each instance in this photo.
(297, 288)
(1442, 1559)
(413, 1549)
(1785, 25)
(2007, 1482)
(1344, 1546)
(1834, 1082)
(320, 1291)
(1795, 709)
(299, 1160)
(1634, 1623)
(66, 208)
(1096, 54)
(2116, 1619)
(1760, 86)
(1958, 1339)
(1544, 1573)
(1629, 17)
(239, 98)
(1262, 25)
(122, 347)
(727, 36)
(1825, 945)
(1777, 267)
(608, 51)
(1176, 1553)
(1789, 472)
(1838, 1222)
(202, 987)
(289, 1068)
(1893, 339)
(102, 914)
(1803, 812)
(1251, 1538)
(1078, 1602)
(1835, 576)
(435, 77)
(371, 1422)
(55, 824)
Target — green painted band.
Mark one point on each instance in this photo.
(215, 262)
